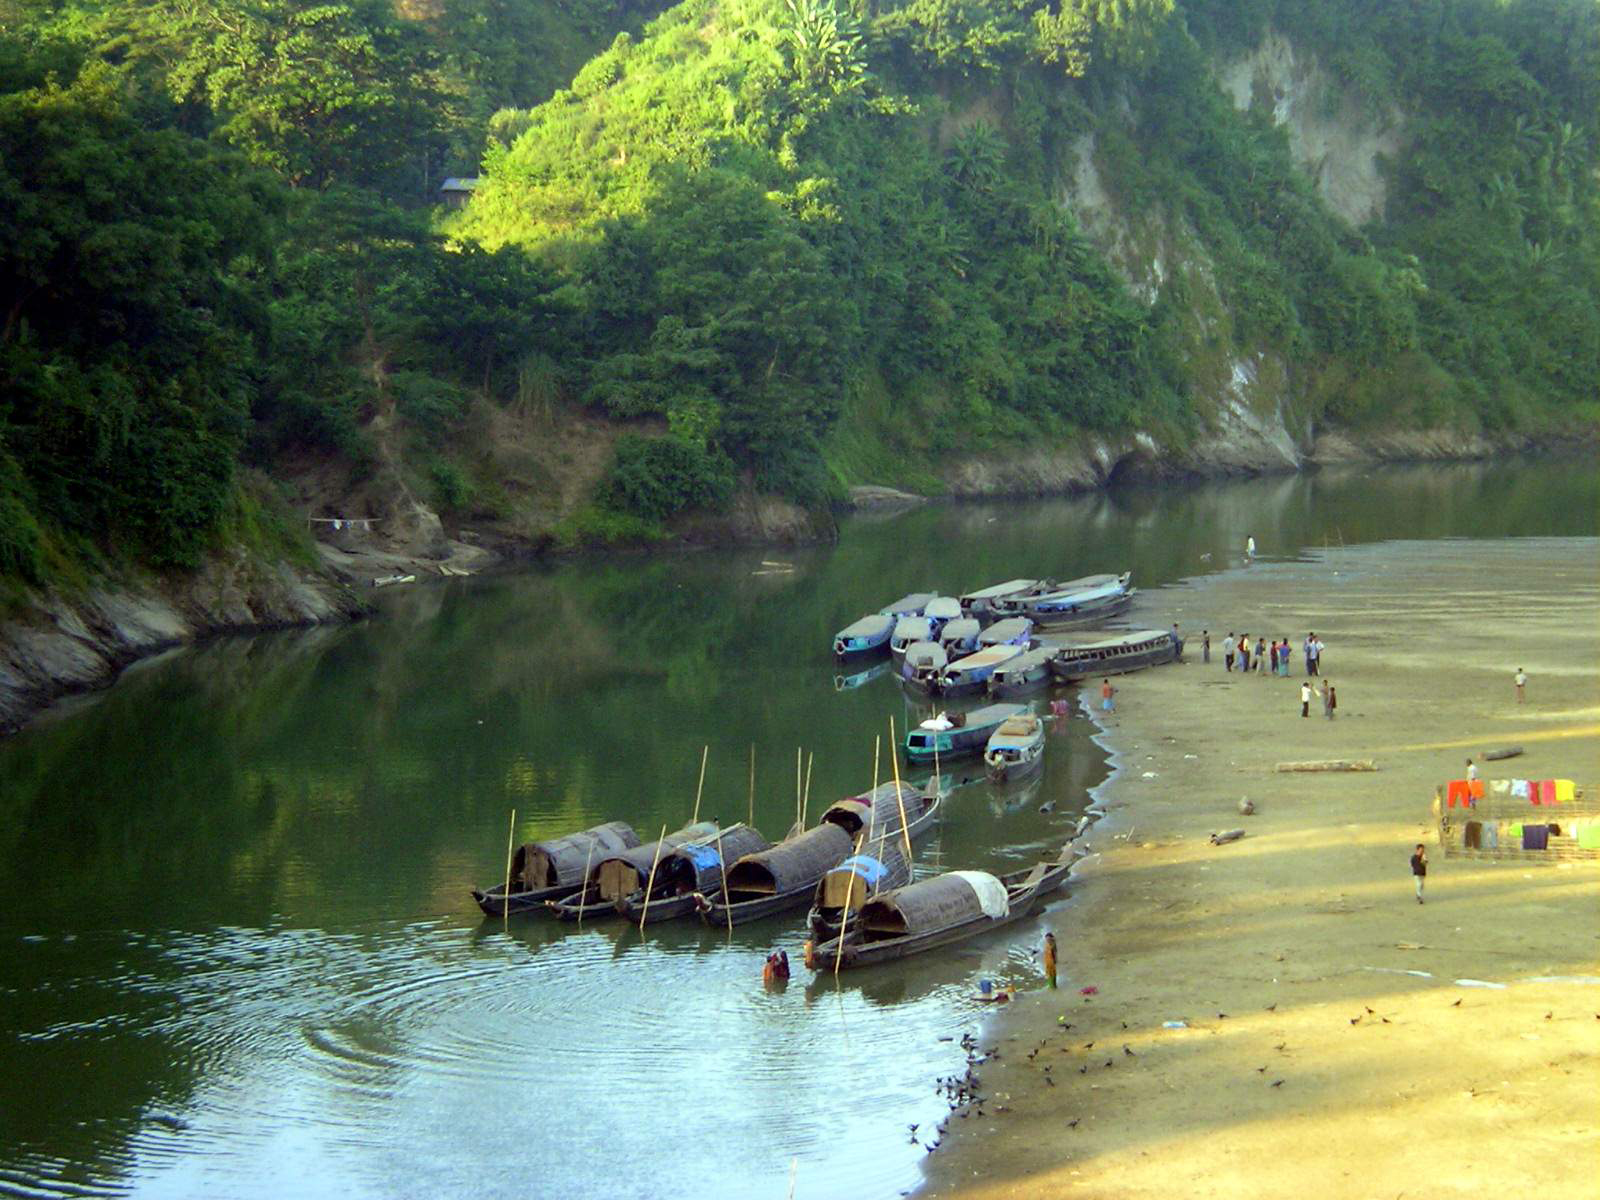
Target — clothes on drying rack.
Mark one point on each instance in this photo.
(1547, 791)
(1566, 791)
(1457, 793)
(1475, 789)
(1519, 789)
(1536, 837)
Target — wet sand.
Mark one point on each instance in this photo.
(1329, 1049)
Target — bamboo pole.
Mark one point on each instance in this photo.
(805, 797)
(844, 920)
(905, 827)
(700, 787)
(877, 746)
(728, 912)
(583, 896)
(797, 755)
(651, 882)
(752, 816)
(511, 853)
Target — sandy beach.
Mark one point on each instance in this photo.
(1337, 1039)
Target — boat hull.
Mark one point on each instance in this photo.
(1074, 670)
(1080, 618)
(1033, 681)
(1011, 772)
(493, 900)
(720, 916)
(662, 908)
(586, 905)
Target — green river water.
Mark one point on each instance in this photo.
(238, 957)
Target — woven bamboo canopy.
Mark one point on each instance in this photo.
(797, 862)
(562, 860)
(620, 875)
(851, 882)
(698, 868)
(929, 904)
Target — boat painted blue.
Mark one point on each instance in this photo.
(869, 635)
(1013, 631)
(909, 606)
(960, 636)
(970, 676)
(1027, 672)
(1015, 750)
(927, 742)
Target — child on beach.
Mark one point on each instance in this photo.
(1106, 692)
(1521, 680)
(1305, 699)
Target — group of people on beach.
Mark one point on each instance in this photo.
(1274, 659)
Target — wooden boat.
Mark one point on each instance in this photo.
(1015, 750)
(619, 875)
(848, 886)
(982, 603)
(955, 735)
(960, 636)
(1113, 654)
(549, 870)
(1013, 631)
(923, 663)
(970, 676)
(938, 911)
(869, 635)
(907, 632)
(940, 611)
(696, 867)
(909, 606)
(785, 876)
(1027, 672)
(1078, 602)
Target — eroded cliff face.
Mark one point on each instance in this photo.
(60, 644)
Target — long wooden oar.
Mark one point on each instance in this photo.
(645, 912)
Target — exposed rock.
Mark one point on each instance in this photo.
(61, 644)
(873, 496)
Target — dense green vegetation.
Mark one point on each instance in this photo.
(786, 244)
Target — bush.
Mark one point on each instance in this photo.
(656, 477)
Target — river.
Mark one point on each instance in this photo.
(238, 957)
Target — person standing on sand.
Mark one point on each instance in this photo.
(1316, 655)
(1283, 657)
(1329, 700)
(1305, 699)
(1261, 657)
(1205, 645)
(1250, 549)
(1050, 958)
(1311, 640)
(1419, 868)
(1244, 653)
(1177, 641)
(1521, 680)
(1227, 651)
(1274, 656)
(1107, 704)
(1472, 771)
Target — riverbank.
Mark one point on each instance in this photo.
(1327, 1046)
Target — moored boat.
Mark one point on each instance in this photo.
(922, 665)
(955, 735)
(970, 676)
(982, 603)
(845, 683)
(940, 611)
(938, 911)
(1013, 631)
(907, 632)
(691, 868)
(778, 878)
(909, 606)
(1027, 672)
(869, 635)
(1015, 750)
(846, 887)
(1113, 654)
(1079, 602)
(619, 875)
(960, 636)
(551, 869)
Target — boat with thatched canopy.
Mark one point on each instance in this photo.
(779, 878)
(1015, 750)
(550, 870)
(1114, 654)
(852, 883)
(689, 869)
(785, 876)
(618, 876)
(935, 912)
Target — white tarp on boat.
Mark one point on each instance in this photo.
(990, 891)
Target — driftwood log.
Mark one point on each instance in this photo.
(1231, 835)
(1329, 764)
(1508, 752)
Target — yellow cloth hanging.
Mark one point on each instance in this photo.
(1564, 791)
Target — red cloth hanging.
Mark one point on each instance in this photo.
(1458, 792)
(1475, 789)
(1547, 790)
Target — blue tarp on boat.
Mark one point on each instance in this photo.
(869, 868)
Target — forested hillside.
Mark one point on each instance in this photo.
(779, 246)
